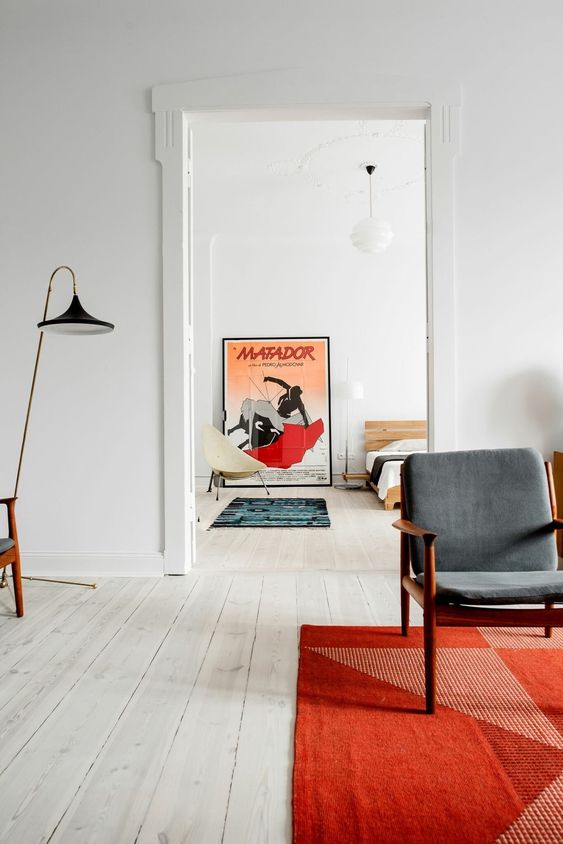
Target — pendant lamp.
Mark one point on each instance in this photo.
(371, 234)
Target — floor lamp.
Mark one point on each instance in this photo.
(75, 320)
(352, 390)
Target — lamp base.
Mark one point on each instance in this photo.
(65, 582)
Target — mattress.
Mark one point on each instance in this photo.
(390, 471)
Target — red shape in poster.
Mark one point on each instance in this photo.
(290, 447)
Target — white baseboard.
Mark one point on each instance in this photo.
(65, 564)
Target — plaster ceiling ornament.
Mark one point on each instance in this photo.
(333, 164)
(371, 234)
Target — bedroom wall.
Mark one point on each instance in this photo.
(79, 184)
(273, 257)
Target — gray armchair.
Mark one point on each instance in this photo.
(477, 528)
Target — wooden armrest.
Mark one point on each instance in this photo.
(557, 524)
(413, 530)
(7, 500)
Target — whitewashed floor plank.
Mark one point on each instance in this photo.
(384, 602)
(347, 600)
(49, 604)
(312, 601)
(27, 706)
(259, 808)
(143, 736)
(21, 666)
(43, 778)
(190, 802)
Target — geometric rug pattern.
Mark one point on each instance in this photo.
(488, 766)
(274, 512)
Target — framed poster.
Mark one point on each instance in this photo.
(276, 400)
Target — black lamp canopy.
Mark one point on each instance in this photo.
(75, 320)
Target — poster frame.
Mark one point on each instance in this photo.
(257, 485)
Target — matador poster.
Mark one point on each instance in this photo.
(277, 407)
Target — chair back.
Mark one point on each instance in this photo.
(490, 509)
(223, 456)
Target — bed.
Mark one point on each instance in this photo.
(380, 435)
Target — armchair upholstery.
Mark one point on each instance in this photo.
(478, 529)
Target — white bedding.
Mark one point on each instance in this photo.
(390, 473)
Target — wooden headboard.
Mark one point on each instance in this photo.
(379, 433)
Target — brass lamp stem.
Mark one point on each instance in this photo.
(37, 357)
(30, 402)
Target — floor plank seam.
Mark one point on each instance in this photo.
(242, 710)
(181, 719)
(101, 609)
(366, 596)
(124, 709)
(327, 600)
(30, 738)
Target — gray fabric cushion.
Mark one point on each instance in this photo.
(490, 509)
(6, 544)
(485, 587)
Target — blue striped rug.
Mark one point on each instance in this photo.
(274, 512)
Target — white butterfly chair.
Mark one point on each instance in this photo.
(228, 461)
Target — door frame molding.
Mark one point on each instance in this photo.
(294, 94)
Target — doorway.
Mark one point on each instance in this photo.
(274, 207)
(266, 96)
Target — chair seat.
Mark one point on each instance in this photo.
(502, 587)
(6, 544)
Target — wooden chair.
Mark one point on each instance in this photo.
(478, 529)
(228, 461)
(10, 553)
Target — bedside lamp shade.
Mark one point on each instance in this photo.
(354, 390)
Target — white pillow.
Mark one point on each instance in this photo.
(406, 445)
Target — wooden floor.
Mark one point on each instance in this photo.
(360, 537)
(162, 711)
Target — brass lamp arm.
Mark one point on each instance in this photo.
(37, 356)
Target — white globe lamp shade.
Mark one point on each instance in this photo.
(354, 390)
(372, 235)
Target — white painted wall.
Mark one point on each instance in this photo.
(79, 185)
(273, 258)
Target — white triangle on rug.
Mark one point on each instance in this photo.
(541, 821)
(529, 638)
(474, 681)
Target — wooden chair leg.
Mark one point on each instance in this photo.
(210, 482)
(548, 630)
(405, 611)
(17, 580)
(16, 565)
(430, 656)
(218, 485)
(405, 597)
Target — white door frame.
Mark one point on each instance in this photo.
(298, 94)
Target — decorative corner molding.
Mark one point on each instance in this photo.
(449, 119)
(168, 132)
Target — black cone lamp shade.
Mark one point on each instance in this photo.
(75, 320)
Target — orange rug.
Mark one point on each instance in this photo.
(370, 766)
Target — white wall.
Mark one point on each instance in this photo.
(273, 258)
(78, 184)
